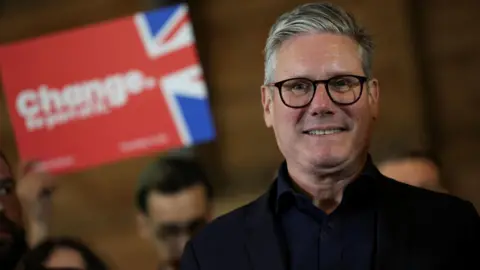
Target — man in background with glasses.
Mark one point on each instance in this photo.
(174, 201)
(330, 208)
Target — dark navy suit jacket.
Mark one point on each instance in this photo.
(416, 229)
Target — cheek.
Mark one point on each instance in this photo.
(362, 125)
(360, 114)
(285, 119)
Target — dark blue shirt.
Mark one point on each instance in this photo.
(345, 239)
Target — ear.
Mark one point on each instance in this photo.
(374, 97)
(267, 99)
(142, 226)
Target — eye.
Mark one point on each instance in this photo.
(6, 187)
(297, 86)
(195, 225)
(300, 86)
(343, 83)
(4, 190)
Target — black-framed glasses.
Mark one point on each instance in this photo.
(299, 92)
(170, 231)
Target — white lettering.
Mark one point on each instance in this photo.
(49, 107)
(57, 163)
(73, 94)
(144, 143)
(25, 103)
(134, 81)
(116, 91)
(49, 96)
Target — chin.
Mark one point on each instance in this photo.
(326, 157)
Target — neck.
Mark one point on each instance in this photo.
(326, 188)
(169, 265)
(166, 267)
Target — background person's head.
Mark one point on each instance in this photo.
(320, 126)
(61, 253)
(12, 235)
(174, 201)
(415, 168)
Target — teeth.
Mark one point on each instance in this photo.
(324, 131)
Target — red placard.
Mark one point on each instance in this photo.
(106, 92)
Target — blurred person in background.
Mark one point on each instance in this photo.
(330, 207)
(174, 200)
(32, 201)
(61, 253)
(415, 168)
(13, 242)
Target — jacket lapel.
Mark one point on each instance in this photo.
(267, 249)
(393, 230)
(265, 242)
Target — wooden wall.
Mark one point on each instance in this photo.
(97, 204)
(451, 59)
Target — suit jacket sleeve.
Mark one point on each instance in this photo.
(471, 233)
(189, 260)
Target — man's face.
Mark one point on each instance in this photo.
(417, 172)
(320, 57)
(172, 219)
(12, 240)
(65, 258)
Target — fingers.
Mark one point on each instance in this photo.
(32, 183)
(27, 167)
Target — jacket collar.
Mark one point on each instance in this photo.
(266, 244)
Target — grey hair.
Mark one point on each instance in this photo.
(316, 18)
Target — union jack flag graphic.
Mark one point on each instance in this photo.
(166, 31)
(144, 67)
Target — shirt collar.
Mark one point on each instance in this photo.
(286, 192)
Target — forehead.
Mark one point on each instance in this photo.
(318, 55)
(182, 206)
(65, 257)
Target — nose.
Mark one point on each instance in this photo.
(177, 246)
(321, 102)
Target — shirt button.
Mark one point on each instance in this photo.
(323, 235)
(331, 225)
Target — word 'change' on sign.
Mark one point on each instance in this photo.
(106, 92)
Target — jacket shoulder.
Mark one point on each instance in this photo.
(431, 203)
(227, 227)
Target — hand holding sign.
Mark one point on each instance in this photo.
(34, 189)
(111, 91)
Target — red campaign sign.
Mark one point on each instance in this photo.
(106, 92)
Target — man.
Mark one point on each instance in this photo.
(414, 168)
(12, 235)
(329, 207)
(174, 201)
(14, 241)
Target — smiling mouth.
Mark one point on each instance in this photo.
(321, 132)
